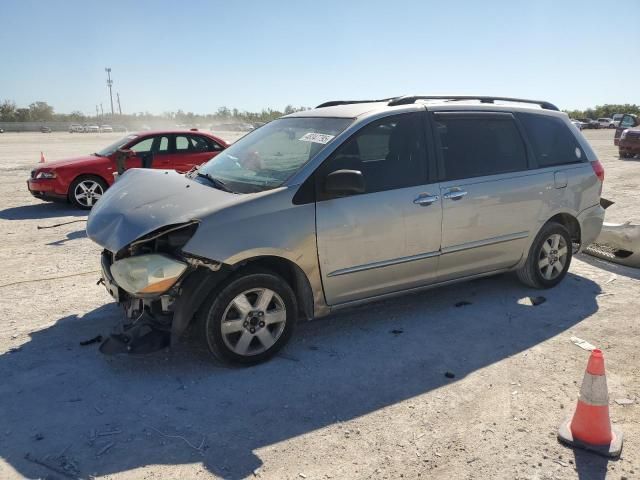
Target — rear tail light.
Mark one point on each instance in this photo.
(598, 169)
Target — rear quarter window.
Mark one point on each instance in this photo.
(552, 141)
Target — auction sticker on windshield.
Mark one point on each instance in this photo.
(316, 138)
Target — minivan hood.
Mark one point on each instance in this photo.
(144, 200)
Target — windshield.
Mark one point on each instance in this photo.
(267, 157)
(105, 152)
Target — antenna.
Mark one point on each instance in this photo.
(110, 84)
(119, 107)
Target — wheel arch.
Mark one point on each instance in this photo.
(291, 273)
(571, 223)
(202, 282)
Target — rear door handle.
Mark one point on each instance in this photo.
(426, 199)
(454, 194)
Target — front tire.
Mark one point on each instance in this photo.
(250, 318)
(549, 257)
(86, 190)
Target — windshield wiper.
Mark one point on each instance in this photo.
(98, 155)
(219, 184)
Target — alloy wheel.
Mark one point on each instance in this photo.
(553, 256)
(253, 321)
(88, 192)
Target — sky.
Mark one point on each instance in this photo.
(199, 55)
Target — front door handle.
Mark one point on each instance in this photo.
(426, 199)
(454, 194)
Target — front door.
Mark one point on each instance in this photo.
(490, 203)
(627, 121)
(388, 238)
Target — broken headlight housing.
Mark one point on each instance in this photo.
(153, 273)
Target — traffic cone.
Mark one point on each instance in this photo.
(590, 427)
(41, 157)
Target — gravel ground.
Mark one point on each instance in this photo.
(361, 394)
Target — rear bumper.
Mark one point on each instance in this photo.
(629, 145)
(591, 220)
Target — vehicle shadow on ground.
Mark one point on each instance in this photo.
(78, 234)
(41, 210)
(115, 414)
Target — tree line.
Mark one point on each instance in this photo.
(604, 111)
(43, 112)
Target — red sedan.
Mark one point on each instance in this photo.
(83, 180)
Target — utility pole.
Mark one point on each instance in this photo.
(119, 107)
(110, 84)
(101, 112)
(97, 112)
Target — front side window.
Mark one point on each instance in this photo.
(553, 143)
(389, 152)
(267, 157)
(479, 145)
(105, 152)
(144, 146)
(627, 122)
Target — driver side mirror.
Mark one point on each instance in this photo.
(344, 182)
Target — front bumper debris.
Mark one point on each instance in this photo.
(145, 328)
(618, 243)
(141, 337)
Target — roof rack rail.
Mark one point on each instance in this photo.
(409, 99)
(333, 103)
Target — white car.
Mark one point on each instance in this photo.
(92, 129)
(75, 128)
(106, 128)
(579, 125)
(607, 122)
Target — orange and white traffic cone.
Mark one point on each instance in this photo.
(41, 157)
(590, 427)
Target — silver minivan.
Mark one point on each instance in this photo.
(350, 202)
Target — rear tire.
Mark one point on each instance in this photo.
(249, 318)
(549, 257)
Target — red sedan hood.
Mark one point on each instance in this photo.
(75, 161)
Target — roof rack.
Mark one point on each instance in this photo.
(333, 103)
(409, 99)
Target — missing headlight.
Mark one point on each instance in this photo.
(169, 240)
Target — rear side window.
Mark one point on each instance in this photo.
(478, 145)
(552, 141)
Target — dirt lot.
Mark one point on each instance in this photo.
(362, 394)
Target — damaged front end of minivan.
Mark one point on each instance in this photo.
(143, 222)
(158, 285)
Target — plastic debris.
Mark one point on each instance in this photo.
(582, 343)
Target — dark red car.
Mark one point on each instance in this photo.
(83, 180)
(627, 136)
